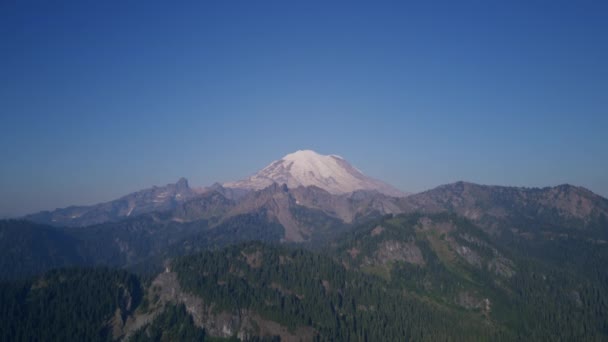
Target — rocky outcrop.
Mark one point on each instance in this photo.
(391, 250)
(150, 200)
(244, 324)
(499, 207)
(471, 301)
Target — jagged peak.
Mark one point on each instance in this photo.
(182, 182)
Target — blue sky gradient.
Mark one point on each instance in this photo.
(101, 98)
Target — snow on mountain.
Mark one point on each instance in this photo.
(308, 168)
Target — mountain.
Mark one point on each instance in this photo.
(535, 289)
(550, 210)
(302, 169)
(68, 305)
(256, 290)
(137, 203)
(308, 168)
(307, 214)
(459, 262)
(407, 277)
(521, 217)
(29, 249)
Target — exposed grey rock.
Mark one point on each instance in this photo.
(470, 301)
(145, 201)
(392, 250)
(242, 323)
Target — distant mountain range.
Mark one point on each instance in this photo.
(148, 225)
(300, 169)
(461, 261)
(307, 215)
(134, 204)
(304, 188)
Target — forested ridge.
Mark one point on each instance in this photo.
(300, 288)
(406, 277)
(67, 305)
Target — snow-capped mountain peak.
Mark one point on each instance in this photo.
(305, 168)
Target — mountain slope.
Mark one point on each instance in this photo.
(448, 260)
(420, 277)
(137, 203)
(560, 209)
(68, 305)
(255, 289)
(524, 219)
(28, 249)
(308, 168)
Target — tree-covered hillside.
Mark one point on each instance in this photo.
(416, 277)
(448, 260)
(67, 305)
(315, 293)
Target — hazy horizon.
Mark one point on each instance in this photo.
(103, 99)
(192, 185)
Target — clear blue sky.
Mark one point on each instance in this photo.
(101, 98)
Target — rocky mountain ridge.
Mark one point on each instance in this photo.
(144, 201)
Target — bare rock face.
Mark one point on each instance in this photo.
(145, 201)
(392, 250)
(346, 207)
(299, 210)
(574, 202)
(277, 202)
(502, 266)
(471, 301)
(377, 231)
(244, 324)
(499, 207)
(496, 263)
(121, 316)
(254, 259)
(469, 255)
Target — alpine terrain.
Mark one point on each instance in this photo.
(331, 173)
(140, 202)
(311, 249)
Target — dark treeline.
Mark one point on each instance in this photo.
(300, 288)
(547, 290)
(67, 305)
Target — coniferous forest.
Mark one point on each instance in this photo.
(397, 278)
(365, 171)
